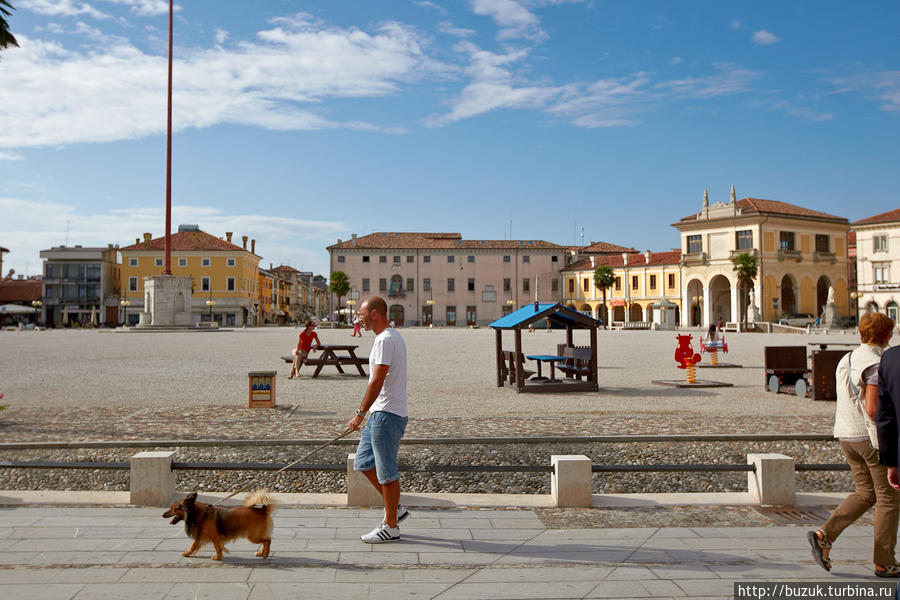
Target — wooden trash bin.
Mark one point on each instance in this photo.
(262, 389)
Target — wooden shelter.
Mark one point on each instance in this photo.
(510, 364)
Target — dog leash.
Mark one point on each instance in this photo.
(285, 467)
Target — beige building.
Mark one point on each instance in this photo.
(801, 254)
(642, 280)
(878, 263)
(442, 279)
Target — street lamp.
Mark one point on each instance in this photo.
(125, 304)
(350, 305)
(37, 305)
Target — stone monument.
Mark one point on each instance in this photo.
(753, 310)
(829, 313)
(167, 301)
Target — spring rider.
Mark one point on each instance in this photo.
(686, 357)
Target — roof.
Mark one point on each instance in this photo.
(414, 240)
(285, 269)
(885, 217)
(603, 248)
(758, 206)
(185, 241)
(558, 314)
(20, 290)
(636, 259)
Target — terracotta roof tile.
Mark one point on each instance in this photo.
(885, 217)
(636, 259)
(413, 240)
(603, 248)
(184, 241)
(20, 290)
(758, 206)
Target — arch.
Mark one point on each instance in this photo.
(822, 286)
(180, 302)
(395, 314)
(396, 285)
(788, 302)
(618, 313)
(871, 306)
(636, 312)
(586, 309)
(720, 299)
(602, 313)
(892, 310)
(694, 317)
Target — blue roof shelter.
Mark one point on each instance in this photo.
(510, 369)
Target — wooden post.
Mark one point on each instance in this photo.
(499, 358)
(520, 376)
(592, 365)
(569, 337)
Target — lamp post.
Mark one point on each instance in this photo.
(37, 305)
(350, 305)
(855, 297)
(125, 304)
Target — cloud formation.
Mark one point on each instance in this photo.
(764, 38)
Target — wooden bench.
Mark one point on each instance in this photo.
(578, 362)
(509, 367)
(341, 360)
(638, 325)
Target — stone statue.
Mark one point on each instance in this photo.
(830, 299)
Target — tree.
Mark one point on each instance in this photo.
(746, 266)
(340, 287)
(604, 278)
(6, 38)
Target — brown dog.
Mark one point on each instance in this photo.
(205, 523)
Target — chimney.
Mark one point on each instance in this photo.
(252, 246)
(137, 241)
(228, 235)
(270, 266)
(339, 242)
(245, 238)
(353, 237)
(593, 261)
(147, 238)
(647, 256)
(625, 259)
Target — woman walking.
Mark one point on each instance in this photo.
(857, 402)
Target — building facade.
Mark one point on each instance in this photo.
(80, 286)
(801, 254)
(225, 276)
(442, 279)
(878, 263)
(642, 279)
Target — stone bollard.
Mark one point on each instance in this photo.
(360, 491)
(570, 483)
(773, 480)
(152, 478)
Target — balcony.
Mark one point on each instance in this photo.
(397, 294)
(694, 258)
(750, 251)
(786, 254)
(824, 257)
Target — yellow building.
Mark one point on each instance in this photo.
(225, 276)
(642, 280)
(266, 286)
(801, 254)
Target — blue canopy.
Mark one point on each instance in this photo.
(559, 315)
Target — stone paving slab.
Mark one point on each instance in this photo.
(74, 553)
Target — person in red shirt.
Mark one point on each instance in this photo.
(304, 347)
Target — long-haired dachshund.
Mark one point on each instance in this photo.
(205, 523)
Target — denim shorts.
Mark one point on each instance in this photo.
(379, 445)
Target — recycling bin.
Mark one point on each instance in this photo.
(262, 389)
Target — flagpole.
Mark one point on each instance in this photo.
(168, 243)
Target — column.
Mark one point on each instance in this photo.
(735, 303)
(707, 309)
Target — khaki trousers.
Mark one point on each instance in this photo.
(298, 361)
(872, 488)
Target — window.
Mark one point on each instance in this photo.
(671, 280)
(653, 282)
(743, 240)
(233, 261)
(822, 243)
(526, 258)
(365, 284)
(93, 272)
(341, 259)
(507, 284)
(132, 284)
(451, 259)
(382, 259)
(506, 258)
(382, 285)
(426, 284)
(204, 262)
(132, 262)
(882, 272)
(470, 258)
(229, 284)
(365, 259)
(409, 284)
(554, 285)
(587, 284)
(571, 286)
(694, 244)
(634, 282)
(426, 258)
(880, 242)
(470, 284)
(410, 259)
(618, 283)
(526, 284)
(182, 262)
(158, 262)
(204, 284)
(787, 240)
(451, 316)
(396, 260)
(50, 269)
(451, 285)
(554, 259)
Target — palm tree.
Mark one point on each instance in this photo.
(6, 38)
(746, 266)
(340, 287)
(604, 278)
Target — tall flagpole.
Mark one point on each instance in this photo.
(168, 245)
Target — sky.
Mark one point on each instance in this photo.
(301, 122)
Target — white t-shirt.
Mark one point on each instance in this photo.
(390, 350)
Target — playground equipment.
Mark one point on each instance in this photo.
(713, 347)
(687, 359)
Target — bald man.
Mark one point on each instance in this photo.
(385, 396)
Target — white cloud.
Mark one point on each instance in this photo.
(764, 38)
(728, 81)
(449, 29)
(436, 7)
(736, 24)
(676, 60)
(802, 112)
(10, 156)
(883, 86)
(514, 19)
(221, 36)
(147, 8)
(62, 8)
(52, 95)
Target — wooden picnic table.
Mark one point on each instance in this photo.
(548, 358)
(329, 356)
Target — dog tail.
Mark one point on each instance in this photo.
(260, 498)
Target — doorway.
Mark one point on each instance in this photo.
(396, 315)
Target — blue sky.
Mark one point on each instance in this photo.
(298, 123)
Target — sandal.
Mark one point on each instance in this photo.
(891, 571)
(818, 545)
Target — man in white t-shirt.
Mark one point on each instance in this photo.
(379, 443)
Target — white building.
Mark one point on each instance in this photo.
(878, 262)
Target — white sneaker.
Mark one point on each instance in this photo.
(382, 534)
(402, 513)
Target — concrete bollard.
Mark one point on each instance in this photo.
(570, 483)
(773, 480)
(152, 478)
(360, 491)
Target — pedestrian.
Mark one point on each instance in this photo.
(304, 347)
(357, 323)
(857, 381)
(385, 397)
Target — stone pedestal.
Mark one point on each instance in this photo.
(152, 478)
(773, 480)
(570, 482)
(753, 313)
(167, 299)
(829, 316)
(360, 491)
